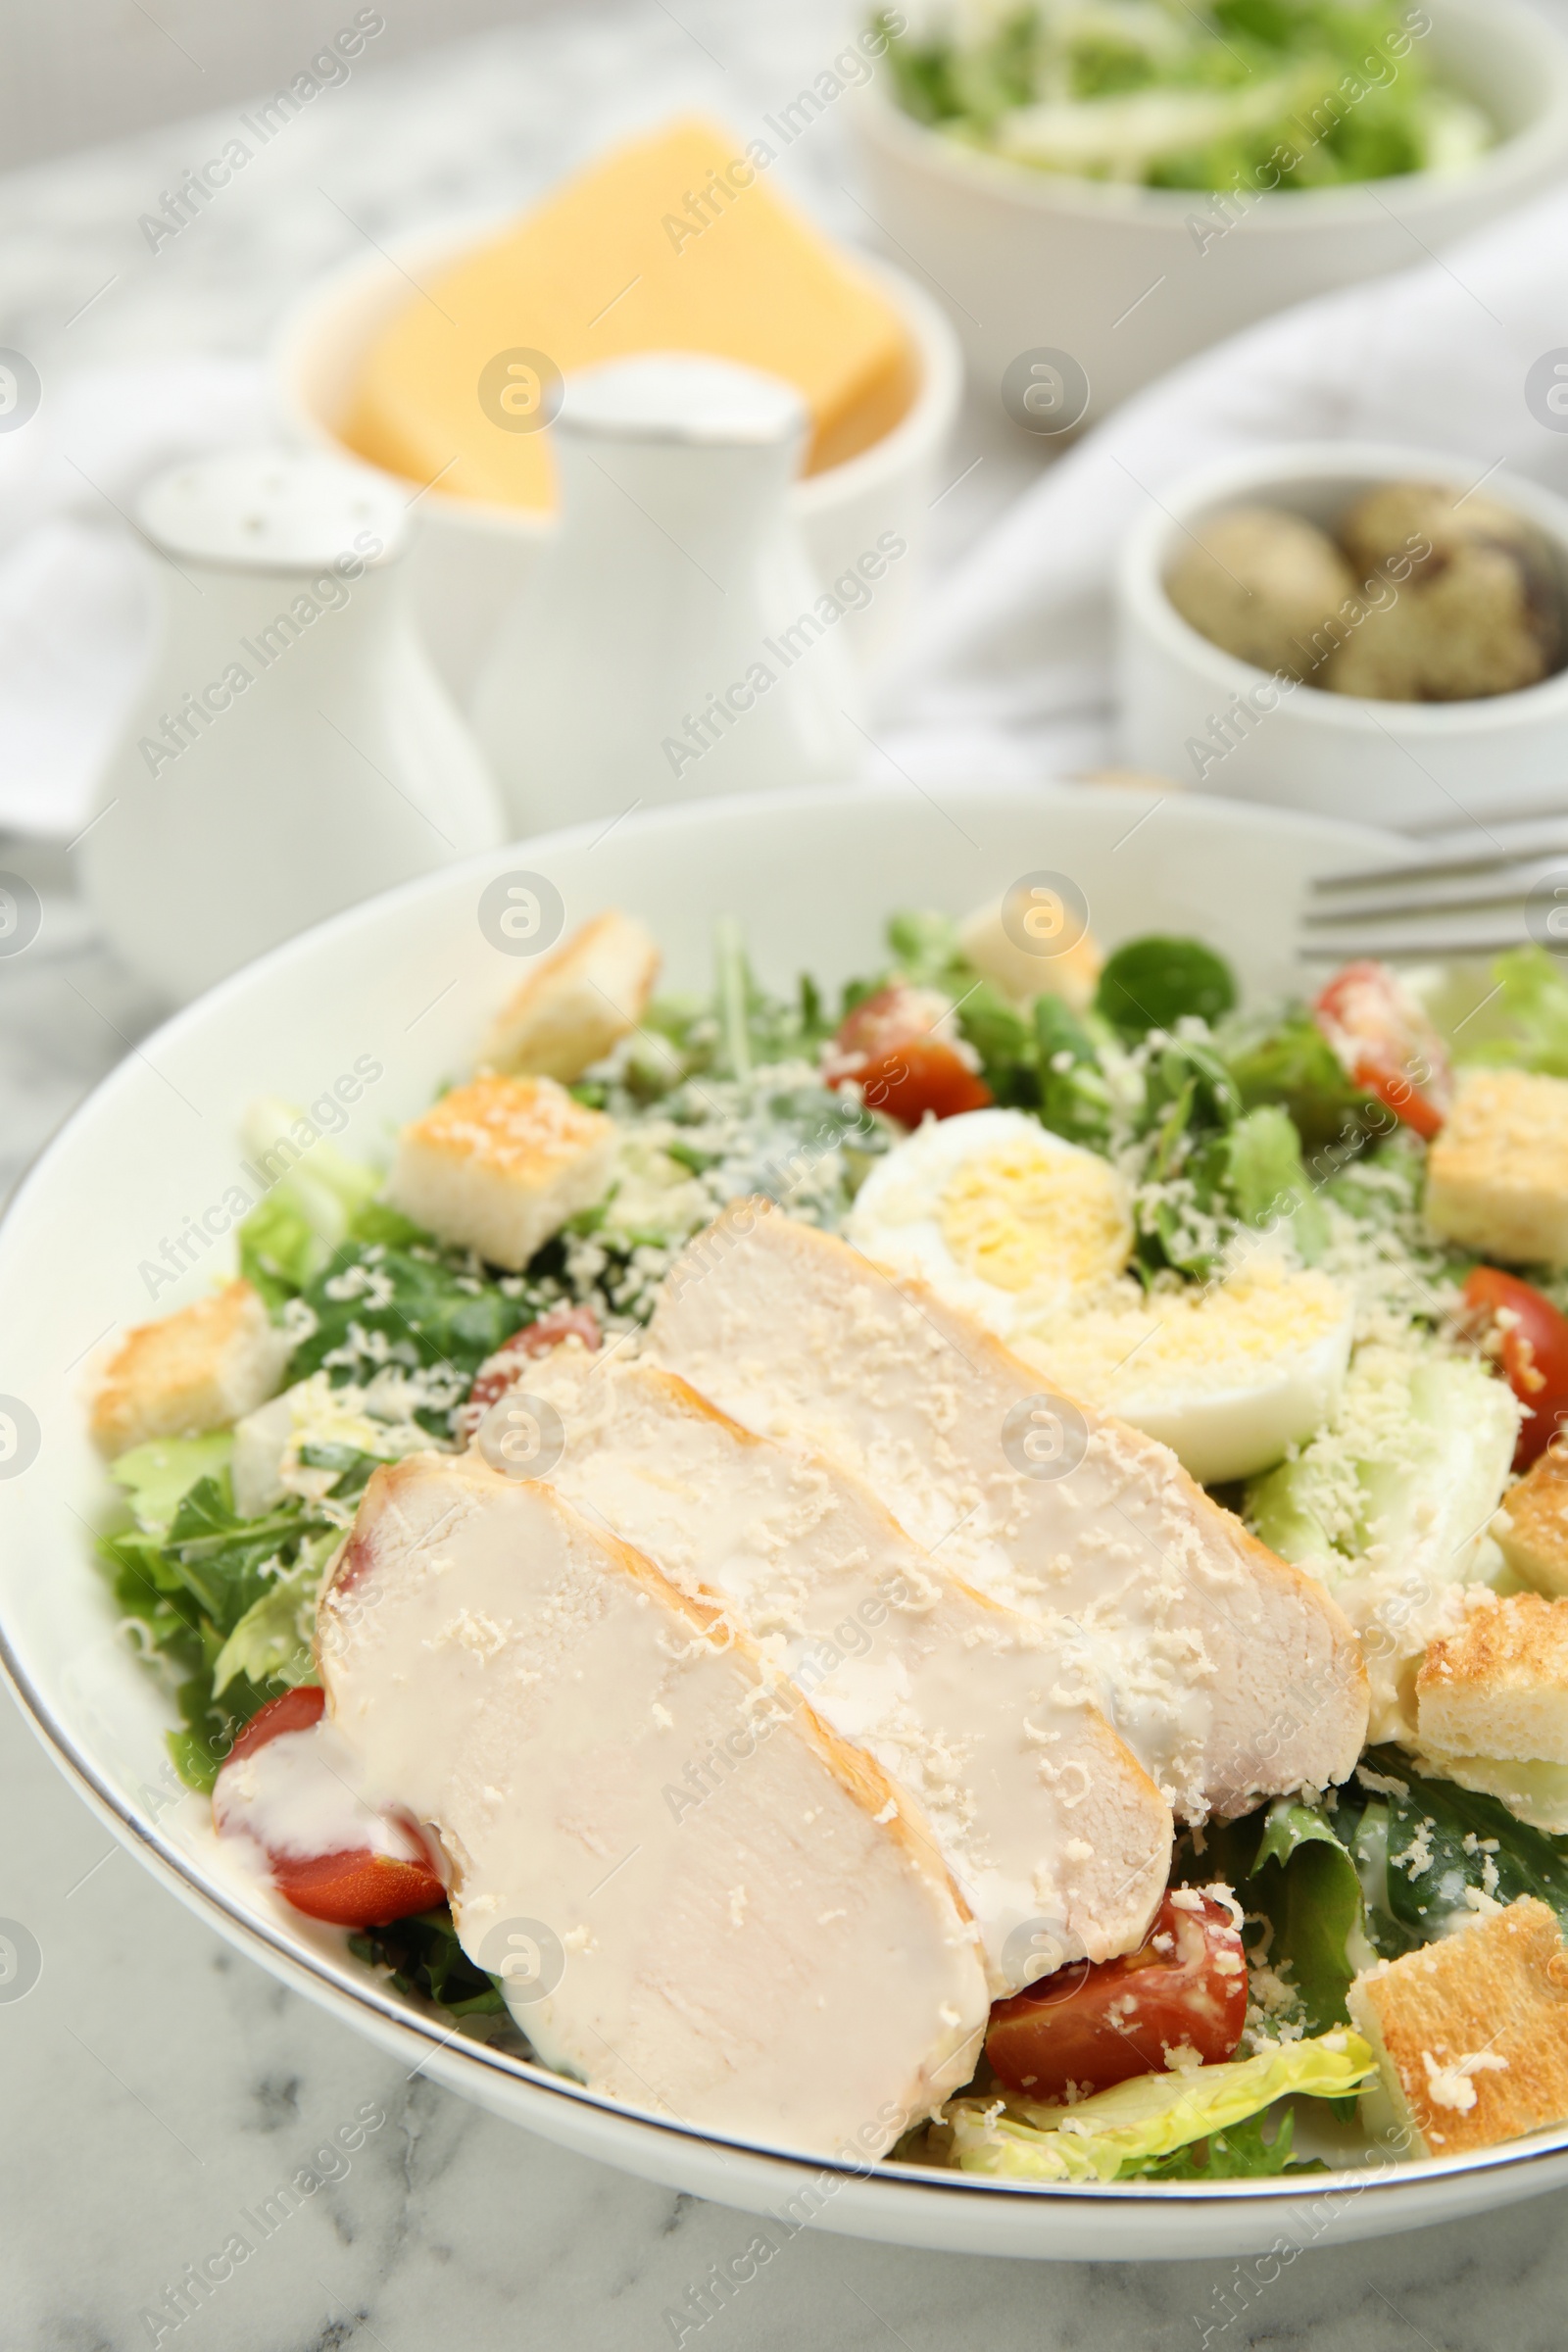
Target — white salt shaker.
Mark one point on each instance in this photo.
(674, 643)
(294, 750)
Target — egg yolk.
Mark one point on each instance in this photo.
(1019, 1217)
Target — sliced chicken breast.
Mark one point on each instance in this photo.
(1230, 1675)
(1054, 1834)
(701, 1900)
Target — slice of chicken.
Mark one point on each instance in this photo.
(718, 1908)
(1055, 1836)
(1230, 1675)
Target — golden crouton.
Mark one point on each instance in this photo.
(575, 1004)
(1498, 1686)
(1497, 1173)
(500, 1164)
(192, 1372)
(1531, 1527)
(1022, 974)
(1471, 2033)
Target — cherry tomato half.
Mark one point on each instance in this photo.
(351, 1887)
(501, 1371)
(1528, 1339)
(1185, 1988)
(1386, 1045)
(889, 1046)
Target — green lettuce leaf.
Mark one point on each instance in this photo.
(1414, 1461)
(1286, 1863)
(1239, 2155)
(156, 1475)
(1150, 2116)
(293, 1229)
(1422, 1844)
(274, 1641)
(1525, 1020)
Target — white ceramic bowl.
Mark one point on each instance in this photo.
(470, 557)
(1130, 281)
(1386, 764)
(408, 980)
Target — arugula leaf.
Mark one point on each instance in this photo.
(425, 1306)
(1074, 1098)
(228, 1603)
(426, 1957)
(1152, 983)
(221, 1557)
(1238, 2153)
(355, 1468)
(1004, 1040)
(1293, 1064)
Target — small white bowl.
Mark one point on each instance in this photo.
(471, 557)
(1131, 280)
(1370, 762)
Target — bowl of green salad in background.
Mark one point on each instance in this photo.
(1126, 182)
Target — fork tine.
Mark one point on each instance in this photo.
(1439, 950)
(1478, 901)
(1437, 869)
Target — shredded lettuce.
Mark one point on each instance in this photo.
(1243, 94)
(1150, 2116)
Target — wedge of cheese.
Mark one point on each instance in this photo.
(783, 1958)
(1054, 1835)
(1230, 1675)
(678, 242)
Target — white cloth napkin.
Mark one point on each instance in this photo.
(1008, 673)
(1009, 670)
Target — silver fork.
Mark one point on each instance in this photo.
(1446, 903)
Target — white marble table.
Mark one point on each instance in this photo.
(152, 2084)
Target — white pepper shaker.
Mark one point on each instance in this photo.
(674, 643)
(294, 750)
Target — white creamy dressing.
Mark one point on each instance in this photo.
(296, 1797)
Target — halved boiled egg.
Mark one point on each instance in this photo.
(1229, 1378)
(998, 1214)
